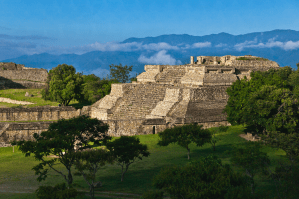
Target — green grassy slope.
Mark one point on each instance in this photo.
(16, 173)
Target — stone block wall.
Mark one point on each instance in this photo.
(38, 113)
(20, 131)
(17, 76)
(39, 75)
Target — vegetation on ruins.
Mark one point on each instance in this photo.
(184, 136)
(120, 72)
(127, 149)
(252, 58)
(89, 162)
(61, 140)
(63, 85)
(205, 178)
(251, 159)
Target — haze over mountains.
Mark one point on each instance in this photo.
(281, 46)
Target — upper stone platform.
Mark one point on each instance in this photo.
(206, 71)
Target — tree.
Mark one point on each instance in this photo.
(63, 85)
(60, 140)
(251, 159)
(93, 88)
(185, 135)
(127, 149)
(268, 105)
(120, 73)
(206, 178)
(88, 163)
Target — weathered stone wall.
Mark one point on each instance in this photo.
(11, 66)
(20, 131)
(39, 75)
(9, 84)
(150, 126)
(18, 76)
(38, 113)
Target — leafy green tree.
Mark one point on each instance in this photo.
(63, 85)
(89, 162)
(251, 159)
(206, 178)
(184, 136)
(127, 149)
(120, 72)
(94, 88)
(61, 140)
(268, 105)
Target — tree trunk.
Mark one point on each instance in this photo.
(91, 191)
(70, 178)
(188, 153)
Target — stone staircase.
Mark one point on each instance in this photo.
(170, 76)
(138, 102)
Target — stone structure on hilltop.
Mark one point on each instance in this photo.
(18, 76)
(165, 96)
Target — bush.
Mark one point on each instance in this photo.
(59, 191)
(206, 178)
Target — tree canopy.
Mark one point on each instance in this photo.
(127, 149)
(89, 162)
(206, 178)
(61, 140)
(268, 105)
(120, 72)
(63, 85)
(185, 135)
(95, 88)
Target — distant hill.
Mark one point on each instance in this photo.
(281, 46)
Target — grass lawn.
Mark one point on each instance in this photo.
(19, 94)
(16, 173)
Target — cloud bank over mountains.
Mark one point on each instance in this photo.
(159, 58)
(289, 45)
(42, 52)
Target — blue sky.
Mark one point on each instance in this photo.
(29, 26)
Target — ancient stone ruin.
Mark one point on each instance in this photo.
(166, 96)
(163, 96)
(18, 76)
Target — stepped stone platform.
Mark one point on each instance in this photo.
(165, 95)
(162, 97)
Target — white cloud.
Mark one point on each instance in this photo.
(159, 58)
(220, 45)
(289, 45)
(198, 45)
(100, 72)
(246, 44)
(201, 45)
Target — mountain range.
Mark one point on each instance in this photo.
(281, 46)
